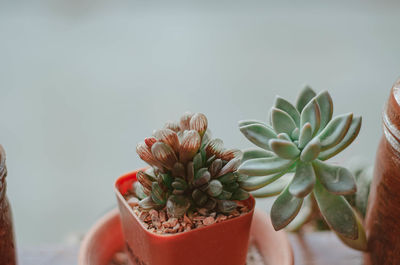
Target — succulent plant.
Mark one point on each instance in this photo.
(188, 170)
(296, 143)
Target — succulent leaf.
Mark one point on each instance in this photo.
(255, 183)
(250, 122)
(335, 131)
(303, 216)
(164, 154)
(325, 104)
(305, 135)
(231, 166)
(227, 178)
(168, 137)
(284, 149)
(303, 180)
(337, 180)
(215, 167)
(199, 123)
(361, 242)
(285, 136)
(258, 134)
(311, 114)
(282, 122)
(285, 209)
(273, 189)
(202, 177)
(139, 191)
(264, 166)
(240, 195)
(147, 203)
(286, 106)
(304, 97)
(157, 194)
(199, 197)
(225, 195)
(256, 153)
(177, 205)
(337, 212)
(190, 144)
(184, 122)
(226, 206)
(215, 188)
(346, 141)
(311, 151)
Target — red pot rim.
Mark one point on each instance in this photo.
(132, 175)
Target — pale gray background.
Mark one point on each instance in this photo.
(83, 81)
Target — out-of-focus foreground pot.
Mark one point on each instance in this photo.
(383, 214)
(7, 244)
(222, 243)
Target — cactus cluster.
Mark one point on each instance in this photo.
(298, 139)
(188, 170)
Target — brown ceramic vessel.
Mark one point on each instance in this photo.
(383, 215)
(7, 244)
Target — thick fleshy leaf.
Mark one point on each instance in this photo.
(274, 188)
(225, 195)
(286, 106)
(337, 212)
(256, 153)
(199, 197)
(264, 166)
(303, 180)
(284, 149)
(147, 203)
(285, 209)
(202, 177)
(249, 122)
(214, 188)
(179, 184)
(226, 206)
(258, 134)
(304, 97)
(311, 114)
(284, 136)
(157, 194)
(255, 183)
(139, 191)
(302, 217)
(177, 205)
(295, 134)
(240, 195)
(228, 178)
(335, 130)
(361, 242)
(326, 108)
(305, 135)
(337, 180)
(346, 141)
(282, 122)
(311, 151)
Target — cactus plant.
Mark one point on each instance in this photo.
(296, 142)
(188, 170)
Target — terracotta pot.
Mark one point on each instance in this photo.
(105, 238)
(217, 244)
(383, 214)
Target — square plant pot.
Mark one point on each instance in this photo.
(223, 243)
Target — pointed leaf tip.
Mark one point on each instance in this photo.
(306, 94)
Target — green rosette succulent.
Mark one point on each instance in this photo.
(188, 169)
(294, 147)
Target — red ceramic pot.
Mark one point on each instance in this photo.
(383, 214)
(222, 243)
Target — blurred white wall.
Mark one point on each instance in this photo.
(82, 82)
